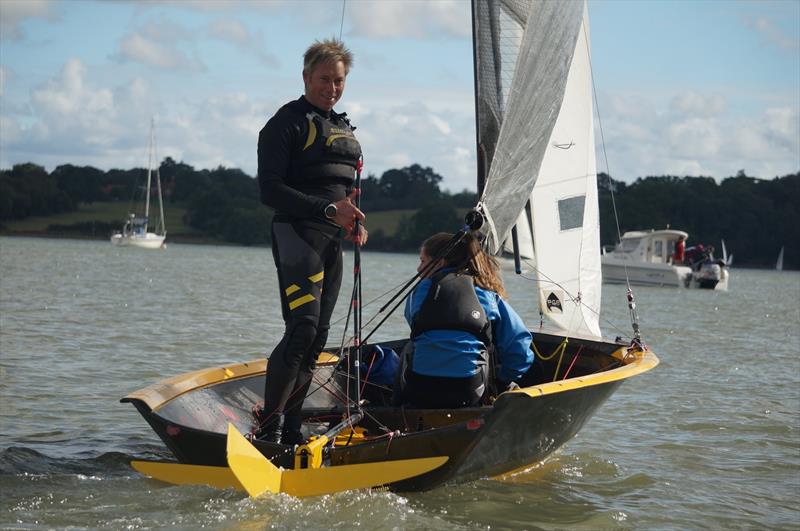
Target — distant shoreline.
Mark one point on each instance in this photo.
(206, 241)
(170, 239)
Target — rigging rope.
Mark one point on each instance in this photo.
(577, 300)
(341, 24)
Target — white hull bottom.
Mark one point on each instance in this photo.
(644, 274)
(148, 241)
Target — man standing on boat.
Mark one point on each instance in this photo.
(307, 159)
(680, 251)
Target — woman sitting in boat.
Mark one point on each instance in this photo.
(458, 315)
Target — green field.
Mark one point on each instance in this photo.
(115, 212)
(388, 220)
(108, 212)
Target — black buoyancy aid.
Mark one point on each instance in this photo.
(330, 149)
(452, 304)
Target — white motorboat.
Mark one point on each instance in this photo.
(646, 258)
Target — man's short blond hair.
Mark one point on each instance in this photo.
(327, 51)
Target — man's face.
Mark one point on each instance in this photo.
(325, 84)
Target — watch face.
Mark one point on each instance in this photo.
(330, 211)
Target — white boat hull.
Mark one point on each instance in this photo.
(643, 273)
(148, 241)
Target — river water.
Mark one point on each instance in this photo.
(710, 439)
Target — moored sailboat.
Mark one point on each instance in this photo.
(136, 229)
(536, 165)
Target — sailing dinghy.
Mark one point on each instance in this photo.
(537, 179)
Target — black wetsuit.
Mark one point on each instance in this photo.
(306, 160)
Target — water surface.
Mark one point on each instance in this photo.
(710, 439)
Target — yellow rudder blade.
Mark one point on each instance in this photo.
(254, 471)
(258, 475)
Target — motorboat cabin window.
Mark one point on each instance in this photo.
(570, 212)
(630, 244)
(658, 248)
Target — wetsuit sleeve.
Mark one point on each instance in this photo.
(276, 145)
(513, 342)
(415, 300)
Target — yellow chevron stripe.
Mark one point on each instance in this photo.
(291, 289)
(332, 138)
(301, 301)
(312, 133)
(316, 278)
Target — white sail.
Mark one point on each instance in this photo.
(545, 157)
(564, 202)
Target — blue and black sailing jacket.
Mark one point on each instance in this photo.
(457, 353)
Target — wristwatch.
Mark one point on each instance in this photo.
(330, 211)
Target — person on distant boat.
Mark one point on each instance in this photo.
(457, 316)
(680, 251)
(307, 159)
(694, 255)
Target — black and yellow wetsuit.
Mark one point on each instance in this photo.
(306, 160)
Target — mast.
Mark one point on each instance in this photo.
(480, 153)
(158, 187)
(149, 172)
(160, 202)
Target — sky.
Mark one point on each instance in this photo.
(683, 87)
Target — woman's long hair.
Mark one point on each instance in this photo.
(467, 257)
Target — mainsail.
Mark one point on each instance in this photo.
(536, 149)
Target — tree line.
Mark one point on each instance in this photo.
(755, 217)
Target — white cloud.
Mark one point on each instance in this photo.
(62, 95)
(391, 19)
(227, 5)
(695, 138)
(159, 43)
(13, 12)
(395, 135)
(762, 141)
(696, 133)
(773, 34)
(68, 120)
(749, 142)
(236, 33)
(440, 125)
(691, 103)
(9, 132)
(229, 30)
(783, 126)
(71, 113)
(139, 48)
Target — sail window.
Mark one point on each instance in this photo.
(570, 212)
